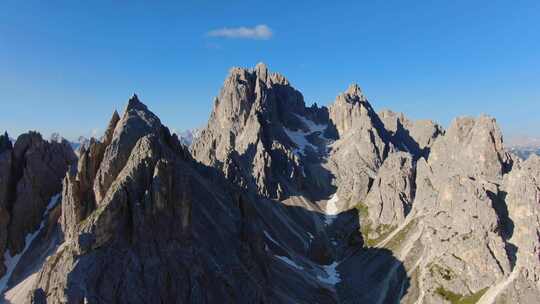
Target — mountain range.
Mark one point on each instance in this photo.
(524, 146)
(271, 202)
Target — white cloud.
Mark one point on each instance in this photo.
(259, 32)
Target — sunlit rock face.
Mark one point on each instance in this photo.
(261, 134)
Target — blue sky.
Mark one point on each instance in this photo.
(66, 65)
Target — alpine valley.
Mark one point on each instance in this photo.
(271, 202)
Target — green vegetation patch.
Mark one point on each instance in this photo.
(362, 210)
(396, 241)
(460, 299)
(445, 273)
(366, 229)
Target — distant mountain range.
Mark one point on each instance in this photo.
(525, 152)
(81, 142)
(188, 136)
(524, 146)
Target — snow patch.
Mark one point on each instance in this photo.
(50, 206)
(329, 219)
(299, 137)
(312, 126)
(11, 261)
(289, 262)
(331, 210)
(269, 237)
(332, 275)
(331, 207)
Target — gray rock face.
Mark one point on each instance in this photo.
(466, 251)
(362, 147)
(78, 191)
(137, 121)
(415, 137)
(459, 221)
(259, 131)
(522, 186)
(351, 110)
(31, 173)
(471, 147)
(39, 166)
(390, 199)
(6, 163)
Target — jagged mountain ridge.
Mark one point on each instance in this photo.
(31, 172)
(278, 202)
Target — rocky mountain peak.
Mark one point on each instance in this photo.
(5, 143)
(145, 215)
(363, 144)
(109, 132)
(136, 121)
(472, 147)
(261, 70)
(355, 93)
(135, 103)
(269, 78)
(351, 110)
(101, 164)
(25, 141)
(259, 119)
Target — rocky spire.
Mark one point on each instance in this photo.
(363, 143)
(157, 203)
(79, 199)
(137, 121)
(261, 70)
(107, 137)
(355, 92)
(351, 110)
(247, 126)
(135, 104)
(5, 143)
